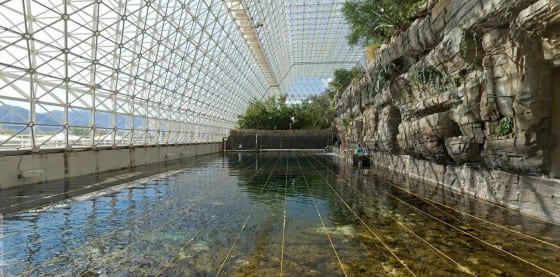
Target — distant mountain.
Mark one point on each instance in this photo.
(13, 114)
(76, 117)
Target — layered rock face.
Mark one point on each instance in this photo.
(473, 82)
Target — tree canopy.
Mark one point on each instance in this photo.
(343, 77)
(374, 21)
(274, 114)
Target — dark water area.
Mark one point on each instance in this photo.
(274, 214)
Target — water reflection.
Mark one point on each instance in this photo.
(276, 213)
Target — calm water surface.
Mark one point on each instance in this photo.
(293, 214)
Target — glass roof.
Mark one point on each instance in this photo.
(85, 73)
(304, 41)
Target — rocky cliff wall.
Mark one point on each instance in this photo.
(473, 82)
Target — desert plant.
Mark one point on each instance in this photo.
(380, 75)
(370, 51)
(440, 81)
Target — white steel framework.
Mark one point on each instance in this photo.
(87, 73)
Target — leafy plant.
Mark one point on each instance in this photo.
(374, 21)
(438, 80)
(345, 123)
(505, 126)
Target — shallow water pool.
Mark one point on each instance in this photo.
(268, 214)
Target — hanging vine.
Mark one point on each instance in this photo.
(471, 48)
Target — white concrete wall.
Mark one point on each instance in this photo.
(108, 160)
(203, 149)
(188, 151)
(87, 162)
(81, 163)
(51, 164)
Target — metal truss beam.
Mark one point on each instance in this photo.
(79, 74)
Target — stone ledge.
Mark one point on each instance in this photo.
(535, 196)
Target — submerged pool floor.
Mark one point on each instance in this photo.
(274, 214)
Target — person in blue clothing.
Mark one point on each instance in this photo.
(358, 149)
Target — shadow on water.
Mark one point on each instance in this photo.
(260, 214)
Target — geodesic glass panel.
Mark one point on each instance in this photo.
(113, 72)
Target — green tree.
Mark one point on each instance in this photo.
(375, 21)
(343, 77)
(274, 114)
(318, 110)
